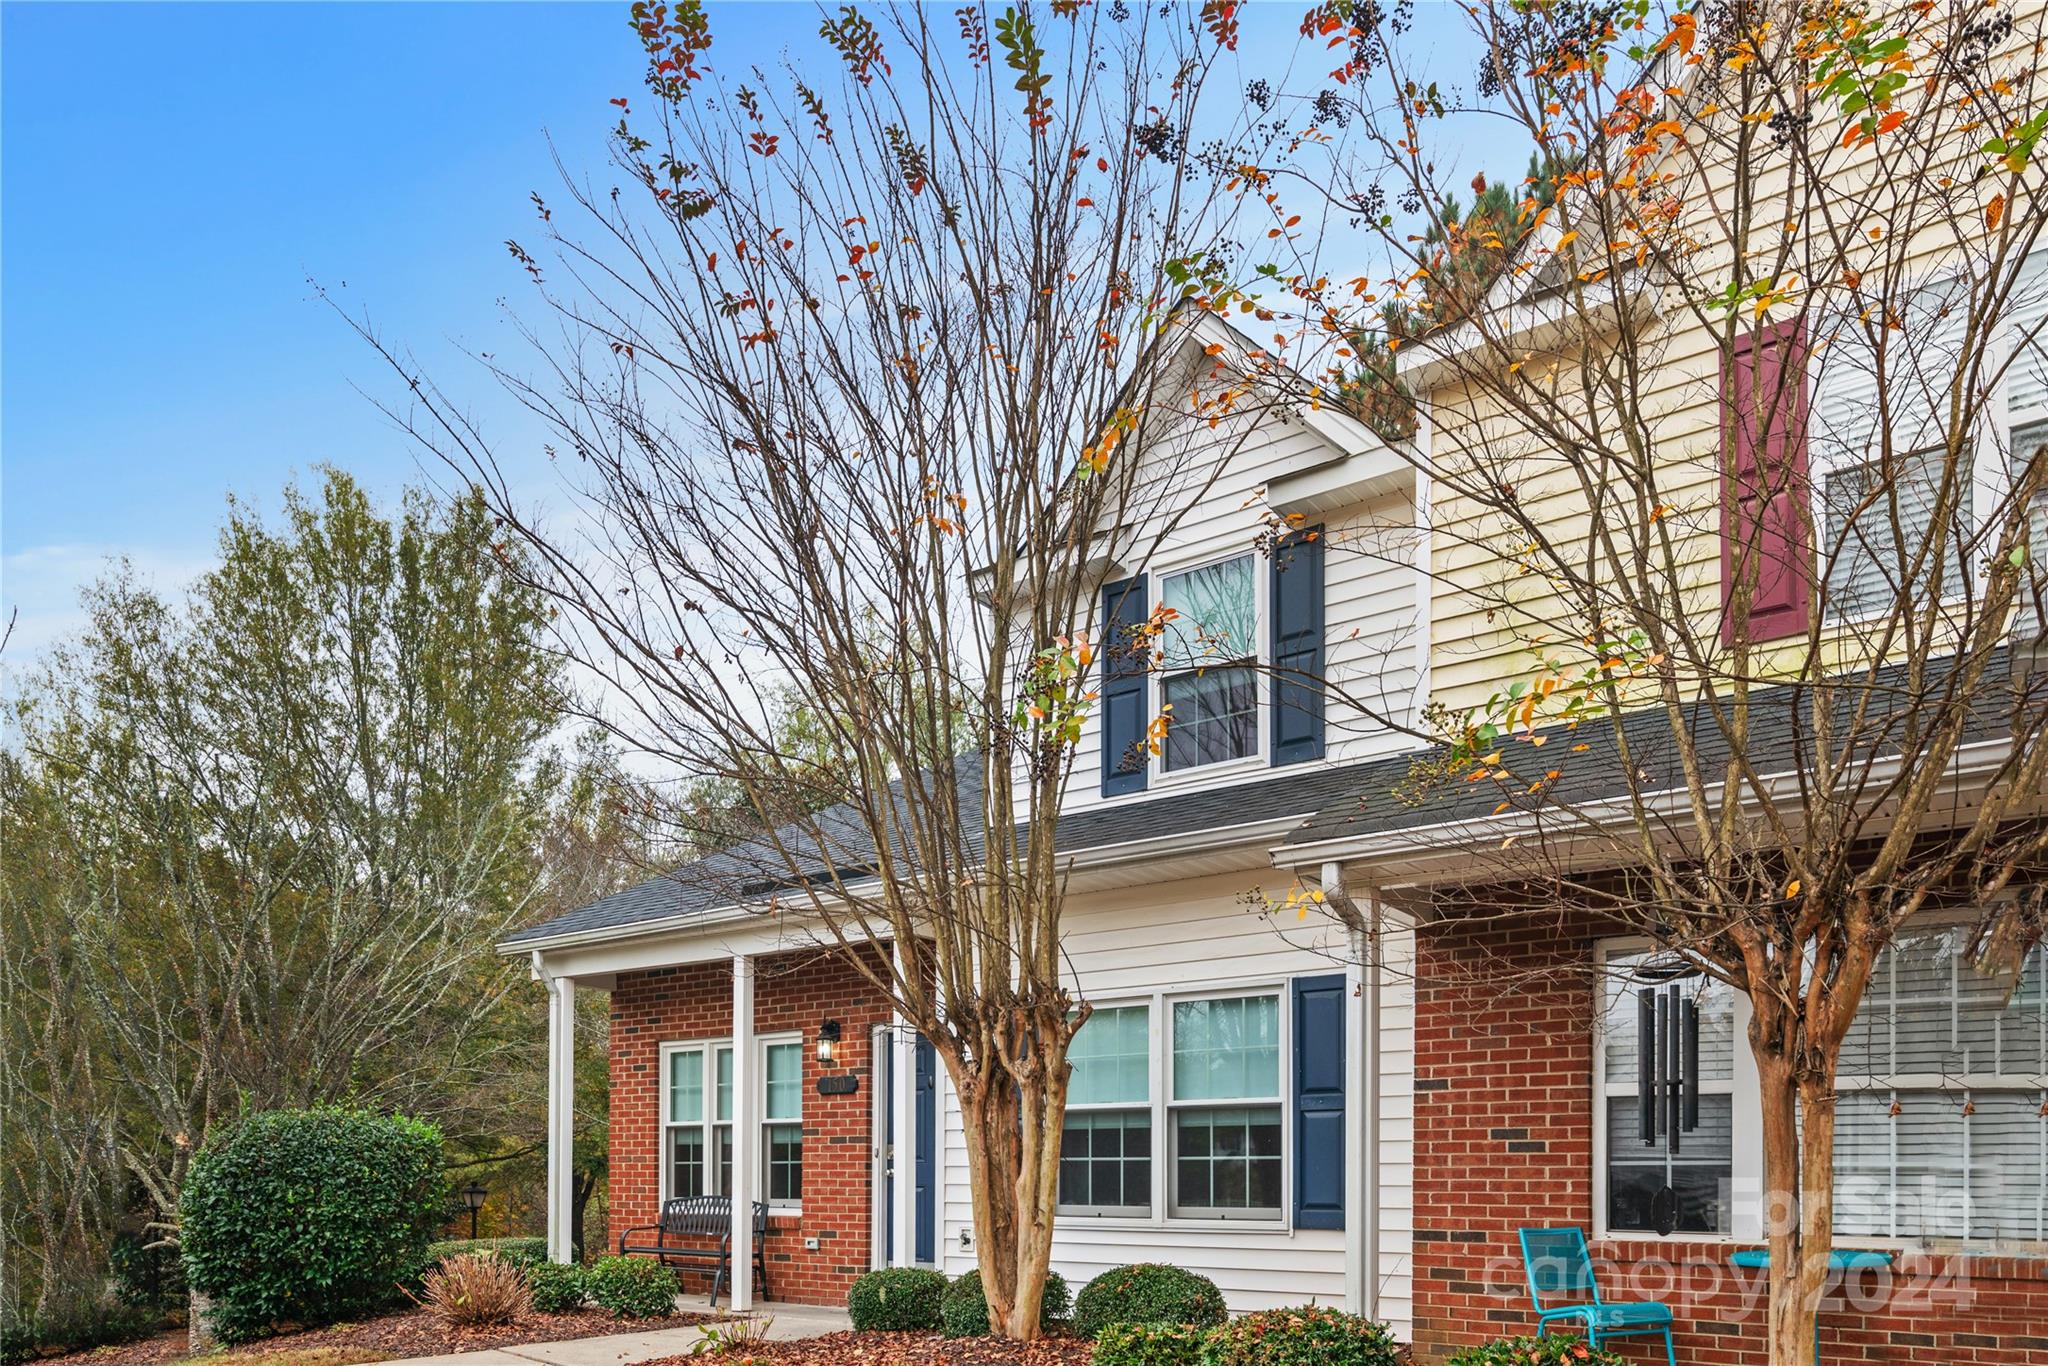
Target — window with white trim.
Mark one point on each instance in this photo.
(1106, 1149)
(1877, 488)
(1638, 1167)
(697, 1119)
(2026, 425)
(1224, 1100)
(1941, 1129)
(1208, 658)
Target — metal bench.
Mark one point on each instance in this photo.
(699, 1217)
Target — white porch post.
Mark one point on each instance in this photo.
(903, 1103)
(746, 1134)
(561, 1111)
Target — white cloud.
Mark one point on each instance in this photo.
(40, 587)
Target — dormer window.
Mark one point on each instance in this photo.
(1208, 657)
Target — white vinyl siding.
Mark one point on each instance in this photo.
(1179, 940)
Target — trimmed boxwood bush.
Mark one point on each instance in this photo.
(897, 1299)
(1149, 1344)
(1147, 1293)
(518, 1251)
(1309, 1336)
(963, 1313)
(1549, 1350)
(309, 1216)
(633, 1287)
(558, 1287)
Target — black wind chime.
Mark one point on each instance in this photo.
(1668, 1064)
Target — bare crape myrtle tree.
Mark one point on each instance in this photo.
(1732, 410)
(846, 375)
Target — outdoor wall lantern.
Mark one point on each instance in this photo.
(473, 1196)
(828, 1041)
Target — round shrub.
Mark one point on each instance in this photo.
(633, 1287)
(1149, 1344)
(558, 1287)
(963, 1313)
(1309, 1336)
(309, 1216)
(897, 1299)
(1147, 1293)
(1549, 1350)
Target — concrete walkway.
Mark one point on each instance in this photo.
(622, 1349)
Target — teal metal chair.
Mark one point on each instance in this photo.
(1559, 1266)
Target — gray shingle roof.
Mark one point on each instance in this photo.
(1781, 740)
(1377, 796)
(757, 868)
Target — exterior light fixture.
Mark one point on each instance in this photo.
(473, 1196)
(828, 1041)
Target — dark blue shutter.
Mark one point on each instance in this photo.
(1319, 1156)
(1124, 762)
(1297, 647)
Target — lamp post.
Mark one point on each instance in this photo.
(473, 1196)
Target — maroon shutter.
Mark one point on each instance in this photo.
(1763, 385)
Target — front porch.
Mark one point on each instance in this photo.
(776, 1063)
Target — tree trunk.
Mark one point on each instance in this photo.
(199, 1336)
(1798, 1200)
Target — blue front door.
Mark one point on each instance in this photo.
(927, 1153)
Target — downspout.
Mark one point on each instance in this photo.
(1362, 1126)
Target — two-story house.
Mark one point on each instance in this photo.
(1301, 1115)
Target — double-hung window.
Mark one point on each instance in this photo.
(1637, 1168)
(1883, 480)
(1106, 1151)
(697, 1116)
(1177, 1110)
(1941, 1128)
(2026, 428)
(1208, 658)
(1227, 1117)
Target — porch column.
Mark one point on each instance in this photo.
(561, 1110)
(746, 1134)
(903, 1104)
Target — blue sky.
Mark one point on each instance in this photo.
(171, 176)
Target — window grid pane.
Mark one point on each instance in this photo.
(724, 1110)
(1106, 1161)
(1701, 1172)
(1227, 1159)
(785, 1081)
(1112, 1057)
(1226, 1049)
(784, 1146)
(1214, 717)
(686, 1162)
(1216, 614)
(686, 1086)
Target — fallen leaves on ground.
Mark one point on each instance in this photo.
(900, 1349)
(413, 1333)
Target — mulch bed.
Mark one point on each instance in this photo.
(412, 1333)
(904, 1349)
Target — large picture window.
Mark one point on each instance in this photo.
(1106, 1150)
(697, 1119)
(1226, 1108)
(1699, 1174)
(1208, 654)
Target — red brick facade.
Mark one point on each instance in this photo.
(792, 994)
(1504, 1139)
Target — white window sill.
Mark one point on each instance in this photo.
(1202, 773)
